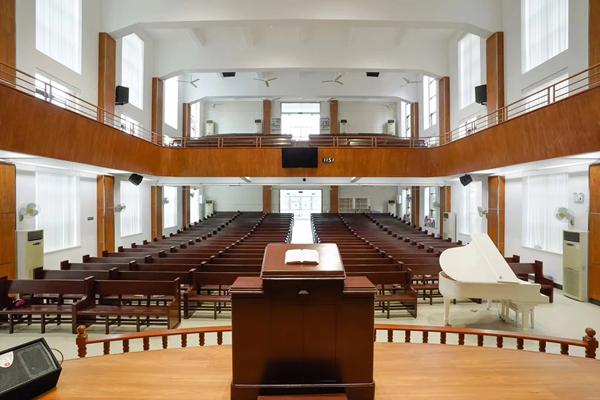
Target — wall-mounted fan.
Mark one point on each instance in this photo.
(30, 210)
(166, 200)
(482, 212)
(120, 207)
(563, 213)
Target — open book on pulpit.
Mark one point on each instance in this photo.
(302, 256)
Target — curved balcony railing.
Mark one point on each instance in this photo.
(60, 96)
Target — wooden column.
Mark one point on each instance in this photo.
(594, 32)
(594, 235)
(415, 209)
(267, 199)
(156, 211)
(186, 116)
(8, 220)
(185, 205)
(495, 72)
(157, 109)
(414, 121)
(8, 41)
(334, 118)
(334, 200)
(495, 216)
(444, 108)
(105, 195)
(445, 205)
(107, 54)
(267, 115)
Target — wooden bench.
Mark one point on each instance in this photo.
(394, 291)
(535, 272)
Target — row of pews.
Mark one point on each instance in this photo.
(151, 283)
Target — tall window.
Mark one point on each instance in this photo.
(545, 30)
(195, 119)
(171, 102)
(58, 199)
(470, 221)
(430, 101)
(54, 92)
(58, 31)
(195, 204)
(132, 68)
(170, 206)
(406, 126)
(469, 68)
(131, 215)
(430, 206)
(542, 196)
(129, 125)
(300, 119)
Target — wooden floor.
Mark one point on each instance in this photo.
(425, 371)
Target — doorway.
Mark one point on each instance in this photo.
(301, 203)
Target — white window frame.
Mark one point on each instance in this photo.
(195, 120)
(131, 216)
(58, 31)
(195, 205)
(289, 127)
(406, 123)
(469, 68)
(132, 68)
(170, 208)
(430, 101)
(171, 102)
(471, 197)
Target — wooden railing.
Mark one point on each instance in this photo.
(588, 343)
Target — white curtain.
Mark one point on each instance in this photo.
(195, 204)
(542, 196)
(406, 119)
(470, 221)
(58, 31)
(57, 197)
(170, 207)
(469, 67)
(545, 30)
(195, 119)
(132, 68)
(430, 101)
(171, 102)
(131, 216)
(300, 119)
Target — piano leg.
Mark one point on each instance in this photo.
(447, 302)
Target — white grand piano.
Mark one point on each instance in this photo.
(479, 271)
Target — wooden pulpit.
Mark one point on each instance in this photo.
(302, 329)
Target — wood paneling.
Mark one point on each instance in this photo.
(107, 54)
(267, 115)
(267, 199)
(414, 120)
(334, 117)
(334, 199)
(496, 210)
(8, 220)
(415, 205)
(157, 108)
(156, 211)
(8, 41)
(186, 116)
(185, 205)
(594, 32)
(495, 71)
(444, 107)
(105, 194)
(594, 234)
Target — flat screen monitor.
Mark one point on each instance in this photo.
(300, 157)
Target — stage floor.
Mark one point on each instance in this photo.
(415, 371)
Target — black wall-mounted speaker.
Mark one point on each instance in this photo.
(122, 95)
(28, 370)
(481, 94)
(135, 179)
(466, 179)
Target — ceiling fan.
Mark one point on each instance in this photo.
(408, 81)
(336, 80)
(267, 82)
(193, 82)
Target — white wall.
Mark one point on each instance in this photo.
(146, 234)
(235, 198)
(26, 192)
(233, 116)
(31, 61)
(578, 182)
(367, 116)
(457, 199)
(378, 195)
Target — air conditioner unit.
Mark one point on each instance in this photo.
(575, 264)
(209, 208)
(391, 208)
(209, 127)
(391, 127)
(30, 252)
(449, 226)
(259, 126)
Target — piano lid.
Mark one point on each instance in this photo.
(477, 262)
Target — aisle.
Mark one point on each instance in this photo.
(301, 232)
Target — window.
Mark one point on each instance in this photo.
(300, 119)
(469, 68)
(545, 30)
(170, 206)
(470, 221)
(171, 102)
(58, 199)
(430, 101)
(54, 92)
(542, 196)
(195, 204)
(58, 31)
(132, 68)
(405, 204)
(195, 119)
(406, 126)
(129, 125)
(131, 215)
